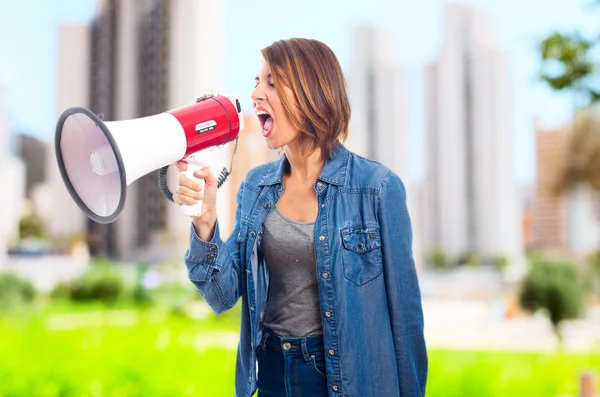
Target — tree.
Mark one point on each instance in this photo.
(569, 64)
(556, 288)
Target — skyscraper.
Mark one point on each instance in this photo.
(12, 175)
(143, 57)
(549, 210)
(562, 221)
(471, 203)
(377, 91)
(376, 85)
(52, 201)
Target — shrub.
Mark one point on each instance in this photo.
(32, 227)
(438, 259)
(555, 287)
(500, 261)
(101, 282)
(15, 291)
(470, 259)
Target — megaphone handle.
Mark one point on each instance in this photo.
(194, 210)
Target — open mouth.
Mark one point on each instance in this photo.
(266, 122)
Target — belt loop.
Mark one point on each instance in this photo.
(305, 351)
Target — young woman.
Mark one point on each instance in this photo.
(321, 251)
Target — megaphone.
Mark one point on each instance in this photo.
(98, 160)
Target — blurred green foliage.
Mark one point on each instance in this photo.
(555, 287)
(439, 259)
(14, 292)
(32, 227)
(101, 282)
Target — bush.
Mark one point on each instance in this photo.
(101, 282)
(555, 287)
(32, 227)
(15, 291)
(469, 259)
(438, 259)
(500, 262)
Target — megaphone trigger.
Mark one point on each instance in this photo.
(197, 162)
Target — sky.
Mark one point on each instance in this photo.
(28, 32)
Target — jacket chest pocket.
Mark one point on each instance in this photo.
(361, 254)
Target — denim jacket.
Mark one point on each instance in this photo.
(369, 293)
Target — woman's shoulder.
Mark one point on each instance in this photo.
(367, 172)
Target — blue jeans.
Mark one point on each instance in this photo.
(291, 366)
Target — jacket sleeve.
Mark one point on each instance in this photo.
(214, 266)
(402, 287)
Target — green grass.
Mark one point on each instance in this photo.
(506, 374)
(124, 352)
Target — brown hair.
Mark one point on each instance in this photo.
(313, 73)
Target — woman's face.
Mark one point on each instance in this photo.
(277, 128)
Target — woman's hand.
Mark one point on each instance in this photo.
(190, 192)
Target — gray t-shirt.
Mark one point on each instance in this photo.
(293, 305)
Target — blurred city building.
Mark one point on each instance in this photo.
(12, 174)
(377, 90)
(376, 87)
(137, 58)
(549, 210)
(563, 222)
(33, 152)
(471, 201)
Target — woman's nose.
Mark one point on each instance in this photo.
(257, 94)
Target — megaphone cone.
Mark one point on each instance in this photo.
(98, 160)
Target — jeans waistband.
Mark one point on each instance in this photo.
(292, 345)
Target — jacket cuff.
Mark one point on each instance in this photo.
(201, 257)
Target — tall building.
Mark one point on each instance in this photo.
(562, 221)
(377, 91)
(549, 210)
(471, 202)
(33, 152)
(12, 175)
(51, 199)
(376, 85)
(143, 57)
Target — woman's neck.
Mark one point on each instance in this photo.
(304, 168)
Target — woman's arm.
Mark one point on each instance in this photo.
(402, 287)
(214, 266)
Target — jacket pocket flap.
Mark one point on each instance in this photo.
(361, 240)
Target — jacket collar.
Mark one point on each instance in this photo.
(333, 172)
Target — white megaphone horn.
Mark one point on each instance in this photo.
(98, 160)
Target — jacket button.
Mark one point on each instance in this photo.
(323, 205)
(251, 308)
(248, 271)
(325, 275)
(361, 246)
(252, 234)
(321, 238)
(319, 184)
(334, 387)
(287, 346)
(331, 352)
(327, 314)
(266, 205)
